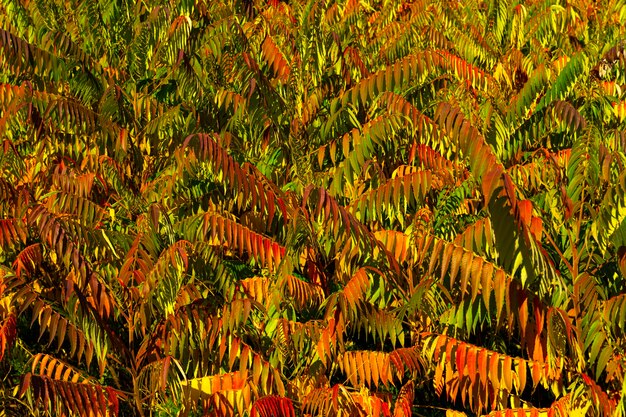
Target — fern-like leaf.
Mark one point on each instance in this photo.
(58, 396)
(465, 369)
(273, 406)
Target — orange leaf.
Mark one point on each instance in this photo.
(494, 371)
(471, 363)
(482, 365)
(507, 372)
(460, 358)
(525, 209)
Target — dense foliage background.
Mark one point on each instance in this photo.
(311, 208)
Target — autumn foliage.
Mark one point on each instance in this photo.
(312, 208)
